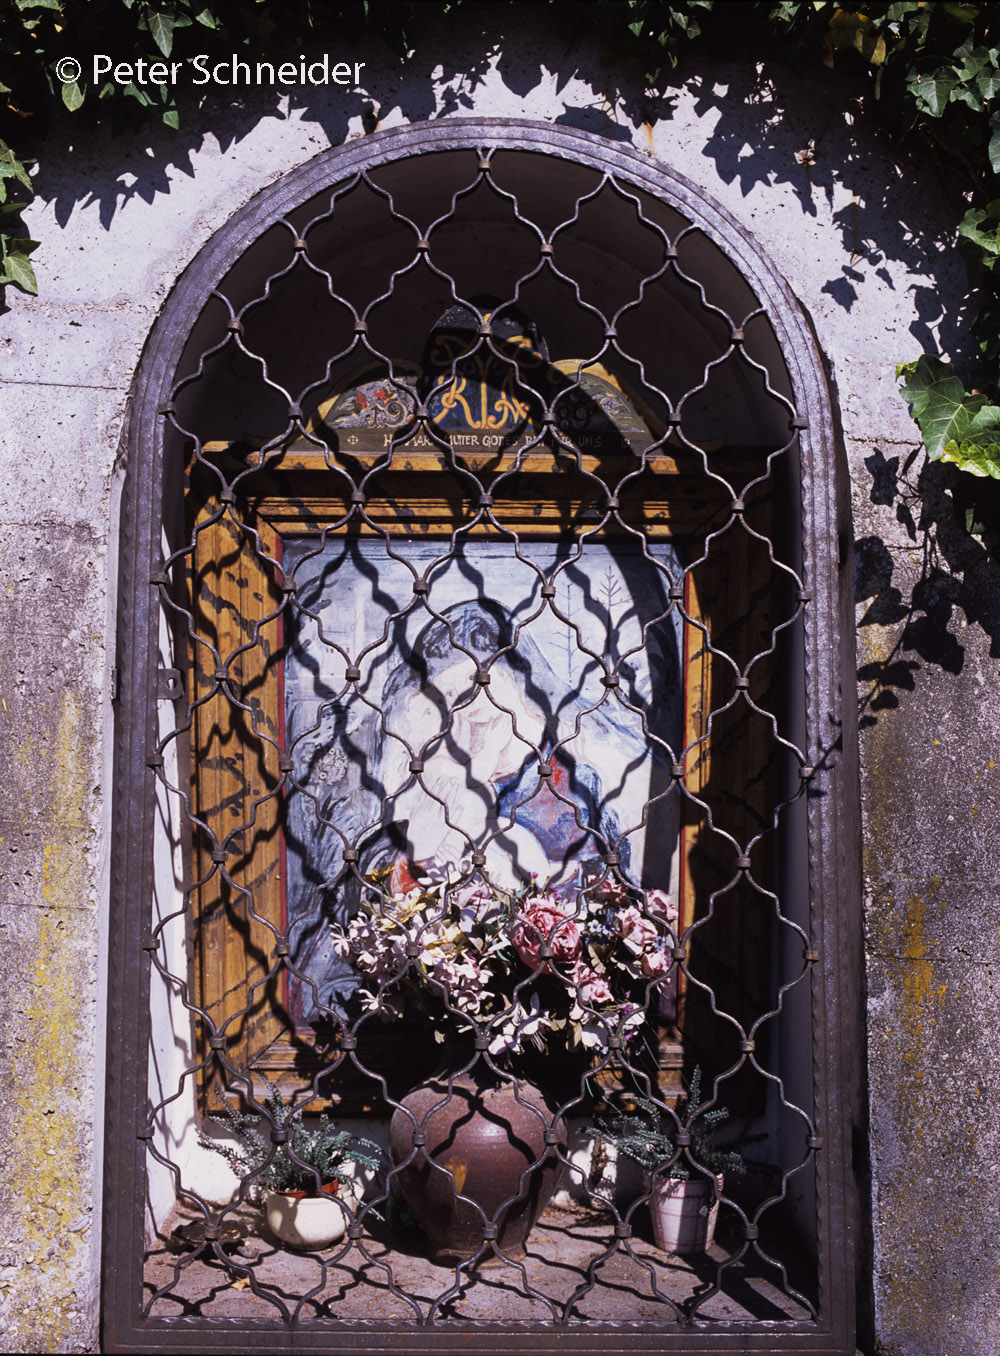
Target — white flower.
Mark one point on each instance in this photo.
(589, 1030)
(520, 1024)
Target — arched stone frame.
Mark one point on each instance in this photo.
(832, 803)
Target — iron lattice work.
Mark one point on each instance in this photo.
(477, 701)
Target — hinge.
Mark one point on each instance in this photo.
(169, 685)
(113, 685)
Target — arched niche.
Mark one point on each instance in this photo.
(647, 389)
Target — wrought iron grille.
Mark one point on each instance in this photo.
(478, 702)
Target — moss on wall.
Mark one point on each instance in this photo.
(933, 926)
(50, 753)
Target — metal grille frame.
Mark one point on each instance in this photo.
(833, 827)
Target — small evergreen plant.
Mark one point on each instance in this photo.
(306, 1161)
(641, 1136)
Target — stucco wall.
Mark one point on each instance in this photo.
(872, 262)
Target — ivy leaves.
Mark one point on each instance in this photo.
(15, 266)
(956, 425)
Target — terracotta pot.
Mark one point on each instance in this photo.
(305, 1221)
(684, 1213)
(479, 1137)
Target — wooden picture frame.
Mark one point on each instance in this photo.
(419, 487)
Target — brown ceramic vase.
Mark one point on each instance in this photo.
(480, 1134)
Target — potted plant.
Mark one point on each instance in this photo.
(301, 1178)
(685, 1184)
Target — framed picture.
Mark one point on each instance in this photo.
(423, 670)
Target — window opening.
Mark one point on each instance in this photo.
(484, 578)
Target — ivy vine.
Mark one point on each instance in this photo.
(931, 78)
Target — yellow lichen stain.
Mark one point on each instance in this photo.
(70, 782)
(933, 886)
(44, 1159)
(921, 1001)
(923, 1142)
(27, 751)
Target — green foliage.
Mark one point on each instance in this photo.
(305, 1162)
(655, 32)
(930, 77)
(956, 426)
(15, 267)
(641, 1136)
(935, 78)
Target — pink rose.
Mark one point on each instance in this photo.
(543, 921)
(660, 905)
(594, 989)
(637, 932)
(654, 964)
(611, 891)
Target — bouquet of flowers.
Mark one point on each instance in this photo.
(532, 964)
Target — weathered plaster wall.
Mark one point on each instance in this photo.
(928, 645)
(872, 263)
(53, 613)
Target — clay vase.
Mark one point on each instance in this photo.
(471, 1142)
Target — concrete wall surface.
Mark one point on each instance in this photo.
(861, 242)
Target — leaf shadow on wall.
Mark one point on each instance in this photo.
(440, 77)
(773, 127)
(807, 130)
(956, 571)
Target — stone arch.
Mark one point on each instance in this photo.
(781, 391)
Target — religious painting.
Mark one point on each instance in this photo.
(420, 757)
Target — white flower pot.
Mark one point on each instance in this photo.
(305, 1221)
(684, 1213)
